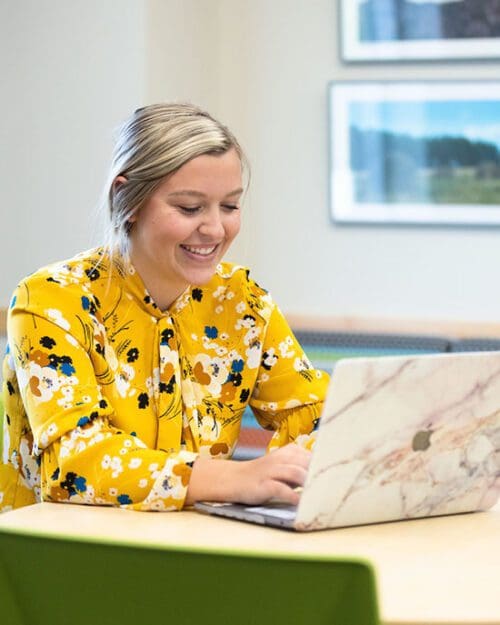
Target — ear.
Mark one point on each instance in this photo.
(118, 182)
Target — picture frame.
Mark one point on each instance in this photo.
(412, 30)
(415, 152)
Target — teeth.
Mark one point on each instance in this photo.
(201, 251)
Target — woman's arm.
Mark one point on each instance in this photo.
(289, 393)
(273, 476)
(62, 438)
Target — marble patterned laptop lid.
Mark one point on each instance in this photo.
(405, 437)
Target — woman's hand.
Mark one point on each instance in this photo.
(273, 476)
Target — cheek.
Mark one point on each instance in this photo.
(170, 228)
(234, 225)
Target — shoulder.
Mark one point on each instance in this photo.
(237, 277)
(61, 281)
(235, 282)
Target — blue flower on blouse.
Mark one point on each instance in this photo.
(13, 301)
(83, 421)
(80, 484)
(85, 303)
(211, 332)
(67, 368)
(124, 499)
(237, 366)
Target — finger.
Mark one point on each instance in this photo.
(293, 454)
(278, 491)
(290, 474)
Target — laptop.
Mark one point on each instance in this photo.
(399, 438)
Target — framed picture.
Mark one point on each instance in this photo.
(415, 152)
(393, 30)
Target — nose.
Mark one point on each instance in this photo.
(212, 226)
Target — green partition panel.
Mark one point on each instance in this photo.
(70, 582)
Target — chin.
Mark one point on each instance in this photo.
(199, 278)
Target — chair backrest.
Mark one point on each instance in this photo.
(59, 581)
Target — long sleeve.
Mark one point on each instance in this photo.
(83, 458)
(289, 393)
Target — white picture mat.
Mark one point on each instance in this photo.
(343, 204)
(353, 49)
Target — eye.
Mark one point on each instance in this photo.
(231, 207)
(189, 210)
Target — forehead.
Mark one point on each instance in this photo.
(207, 173)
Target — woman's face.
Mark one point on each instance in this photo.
(182, 232)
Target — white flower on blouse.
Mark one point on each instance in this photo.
(48, 434)
(57, 318)
(66, 400)
(301, 364)
(253, 357)
(117, 466)
(123, 378)
(251, 335)
(245, 322)
(270, 358)
(209, 429)
(44, 382)
(284, 348)
(219, 293)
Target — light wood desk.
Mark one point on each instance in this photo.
(431, 571)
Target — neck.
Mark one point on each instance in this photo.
(163, 290)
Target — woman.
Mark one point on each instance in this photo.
(129, 366)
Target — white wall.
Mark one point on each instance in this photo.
(278, 58)
(71, 71)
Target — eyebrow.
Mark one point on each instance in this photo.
(199, 194)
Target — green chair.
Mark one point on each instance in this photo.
(62, 581)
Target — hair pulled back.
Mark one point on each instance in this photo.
(152, 144)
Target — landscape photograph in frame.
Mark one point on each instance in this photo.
(415, 152)
(399, 30)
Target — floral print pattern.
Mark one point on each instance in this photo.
(109, 400)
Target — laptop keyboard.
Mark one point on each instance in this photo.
(279, 511)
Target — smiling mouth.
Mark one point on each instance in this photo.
(200, 251)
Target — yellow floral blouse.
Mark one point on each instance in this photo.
(109, 400)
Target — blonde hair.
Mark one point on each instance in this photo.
(153, 143)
